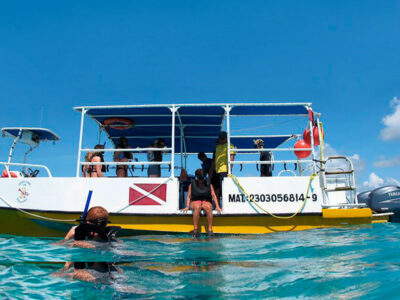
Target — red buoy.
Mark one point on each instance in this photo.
(307, 136)
(302, 153)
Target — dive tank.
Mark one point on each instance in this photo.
(386, 199)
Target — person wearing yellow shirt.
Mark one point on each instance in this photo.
(220, 163)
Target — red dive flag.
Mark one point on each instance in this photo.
(147, 194)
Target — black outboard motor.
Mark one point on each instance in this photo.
(386, 199)
(363, 198)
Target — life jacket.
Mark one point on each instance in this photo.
(201, 193)
(86, 231)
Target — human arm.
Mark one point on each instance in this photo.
(215, 199)
(70, 234)
(232, 156)
(188, 198)
(232, 159)
(84, 169)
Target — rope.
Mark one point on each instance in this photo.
(321, 147)
(34, 215)
(264, 210)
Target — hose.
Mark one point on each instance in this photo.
(264, 210)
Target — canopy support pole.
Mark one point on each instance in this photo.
(83, 112)
(13, 146)
(228, 129)
(312, 146)
(173, 110)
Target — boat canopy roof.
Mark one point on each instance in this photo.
(41, 134)
(197, 124)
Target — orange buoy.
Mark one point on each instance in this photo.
(118, 123)
(302, 153)
(307, 136)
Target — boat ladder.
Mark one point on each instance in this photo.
(338, 183)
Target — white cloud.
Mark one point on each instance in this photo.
(375, 181)
(384, 162)
(392, 122)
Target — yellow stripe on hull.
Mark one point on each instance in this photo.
(17, 223)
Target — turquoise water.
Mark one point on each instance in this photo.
(352, 262)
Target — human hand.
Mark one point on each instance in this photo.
(219, 209)
(185, 209)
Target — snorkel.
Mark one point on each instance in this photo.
(89, 197)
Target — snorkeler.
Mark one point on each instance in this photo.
(93, 228)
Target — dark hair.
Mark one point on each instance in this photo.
(201, 154)
(123, 143)
(101, 155)
(199, 173)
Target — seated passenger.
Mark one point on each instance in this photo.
(94, 157)
(122, 156)
(265, 169)
(155, 156)
(200, 196)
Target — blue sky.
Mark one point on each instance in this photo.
(341, 55)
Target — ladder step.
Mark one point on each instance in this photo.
(341, 188)
(339, 172)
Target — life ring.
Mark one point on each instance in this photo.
(118, 123)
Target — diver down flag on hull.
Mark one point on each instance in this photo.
(147, 194)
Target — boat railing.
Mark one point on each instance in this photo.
(128, 150)
(25, 165)
(133, 163)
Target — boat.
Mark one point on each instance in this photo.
(33, 204)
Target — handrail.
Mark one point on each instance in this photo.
(126, 149)
(238, 162)
(270, 149)
(127, 163)
(7, 165)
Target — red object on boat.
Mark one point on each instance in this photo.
(118, 123)
(5, 174)
(307, 136)
(302, 153)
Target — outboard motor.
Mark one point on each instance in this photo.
(386, 199)
(363, 198)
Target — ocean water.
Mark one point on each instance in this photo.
(355, 262)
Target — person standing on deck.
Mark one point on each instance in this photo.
(122, 156)
(155, 156)
(220, 164)
(265, 169)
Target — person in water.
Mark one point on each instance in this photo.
(94, 157)
(122, 156)
(155, 156)
(200, 196)
(93, 228)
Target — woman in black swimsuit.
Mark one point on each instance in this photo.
(200, 196)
